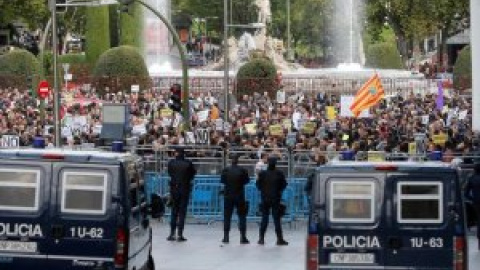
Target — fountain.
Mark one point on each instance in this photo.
(158, 43)
(348, 49)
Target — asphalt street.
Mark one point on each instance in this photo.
(204, 250)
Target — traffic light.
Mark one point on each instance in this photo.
(126, 6)
(61, 9)
(175, 102)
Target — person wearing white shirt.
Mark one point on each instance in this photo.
(296, 116)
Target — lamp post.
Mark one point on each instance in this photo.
(475, 40)
(289, 38)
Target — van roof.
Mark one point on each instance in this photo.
(94, 156)
(385, 165)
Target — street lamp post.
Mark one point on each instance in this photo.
(225, 60)
(289, 38)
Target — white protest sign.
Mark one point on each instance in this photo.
(97, 129)
(10, 141)
(219, 125)
(203, 115)
(345, 103)
(462, 115)
(202, 136)
(139, 129)
(425, 119)
(281, 97)
(190, 138)
(135, 88)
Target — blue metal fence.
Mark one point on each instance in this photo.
(207, 202)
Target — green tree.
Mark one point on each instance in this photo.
(20, 68)
(33, 12)
(462, 71)
(383, 56)
(97, 33)
(131, 26)
(413, 20)
(257, 76)
(119, 68)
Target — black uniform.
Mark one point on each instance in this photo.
(271, 184)
(235, 178)
(181, 173)
(473, 191)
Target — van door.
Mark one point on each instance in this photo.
(138, 223)
(419, 232)
(83, 222)
(24, 214)
(350, 231)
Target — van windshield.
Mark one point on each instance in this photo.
(352, 201)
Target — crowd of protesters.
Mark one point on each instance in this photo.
(391, 125)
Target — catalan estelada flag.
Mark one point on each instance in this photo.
(370, 94)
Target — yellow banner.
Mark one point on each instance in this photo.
(376, 156)
(251, 128)
(440, 139)
(166, 112)
(331, 113)
(276, 130)
(309, 128)
(287, 123)
(412, 148)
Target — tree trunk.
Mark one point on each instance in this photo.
(442, 47)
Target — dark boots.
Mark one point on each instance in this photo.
(280, 240)
(243, 238)
(225, 239)
(261, 239)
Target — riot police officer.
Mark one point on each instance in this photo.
(235, 178)
(181, 173)
(271, 184)
(473, 191)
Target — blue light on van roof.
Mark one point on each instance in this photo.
(117, 146)
(38, 142)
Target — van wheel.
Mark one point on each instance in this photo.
(150, 263)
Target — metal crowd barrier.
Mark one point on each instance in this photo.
(206, 205)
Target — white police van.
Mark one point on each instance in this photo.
(390, 215)
(63, 209)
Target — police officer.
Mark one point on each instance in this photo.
(473, 191)
(235, 178)
(271, 184)
(181, 173)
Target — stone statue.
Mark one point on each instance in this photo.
(264, 11)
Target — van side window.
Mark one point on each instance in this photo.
(84, 193)
(420, 202)
(19, 189)
(137, 187)
(352, 202)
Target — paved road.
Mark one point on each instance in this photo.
(204, 251)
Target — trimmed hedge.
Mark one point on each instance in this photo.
(131, 26)
(20, 69)
(462, 71)
(119, 68)
(384, 56)
(258, 75)
(97, 33)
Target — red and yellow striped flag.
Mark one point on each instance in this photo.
(370, 94)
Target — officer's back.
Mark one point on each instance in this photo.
(271, 182)
(181, 172)
(235, 178)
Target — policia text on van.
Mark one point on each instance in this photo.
(73, 210)
(392, 216)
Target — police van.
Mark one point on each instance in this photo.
(64, 209)
(392, 216)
